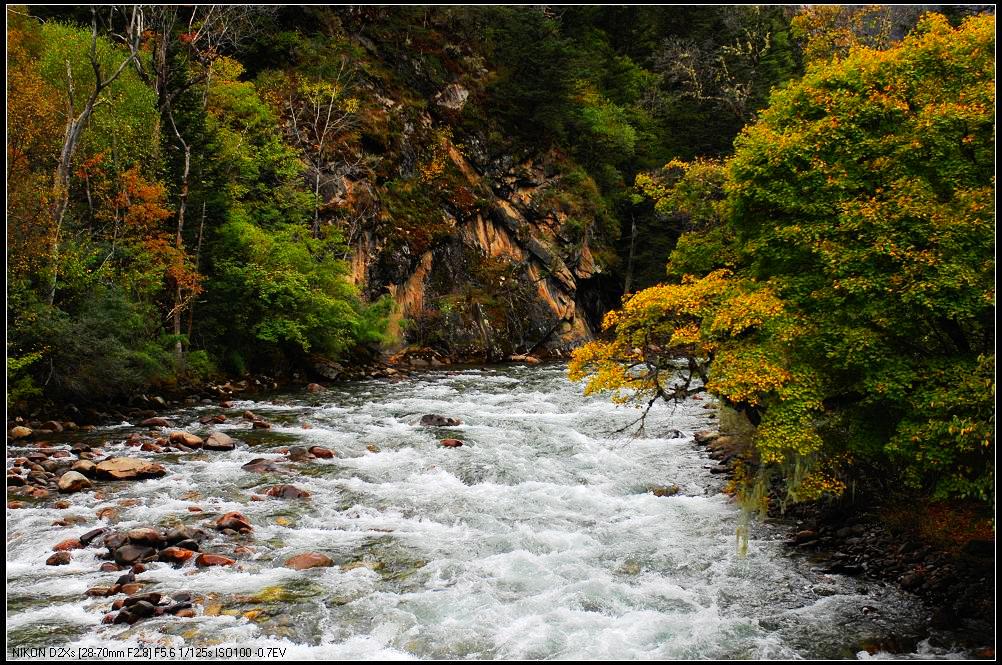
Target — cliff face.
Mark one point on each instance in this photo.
(485, 255)
(504, 279)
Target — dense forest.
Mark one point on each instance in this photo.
(197, 192)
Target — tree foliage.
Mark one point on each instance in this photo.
(848, 302)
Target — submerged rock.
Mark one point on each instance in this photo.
(450, 443)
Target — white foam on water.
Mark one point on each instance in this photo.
(538, 538)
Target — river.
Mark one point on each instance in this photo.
(538, 538)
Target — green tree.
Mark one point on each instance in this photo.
(855, 325)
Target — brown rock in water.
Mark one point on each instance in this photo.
(205, 560)
(131, 588)
(309, 560)
(130, 554)
(219, 419)
(665, 490)
(186, 439)
(298, 454)
(372, 448)
(98, 591)
(435, 420)
(322, 453)
(260, 424)
(15, 505)
(287, 492)
(175, 555)
(146, 536)
(249, 415)
(705, 437)
(220, 441)
(92, 535)
(68, 544)
(73, 481)
(109, 567)
(52, 426)
(155, 422)
(127, 468)
(20, 432)
(107, 513)
(58, 559)
(260, 465)
(86, 467)
(450, 443)
(235, 521)
(151, 447)
(314, 388)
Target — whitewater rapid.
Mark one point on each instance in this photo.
(538, 538)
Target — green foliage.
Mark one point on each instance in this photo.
(857, 322)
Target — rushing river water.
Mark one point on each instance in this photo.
(538, 538)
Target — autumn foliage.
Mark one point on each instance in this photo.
(839, 284)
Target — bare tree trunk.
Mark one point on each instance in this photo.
(316, 205)
(198, 254)
(629, 263)
(74, 127)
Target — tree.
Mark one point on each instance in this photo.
(79, 109)
(853, 319)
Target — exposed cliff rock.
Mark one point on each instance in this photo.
(503, 280)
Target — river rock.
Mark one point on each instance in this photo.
(146, 536)
(705, 437)
(52, 426)
(314, 388)
(127, 468)
(175, 555)
(58, 559)
(298, 454)
(178, 534)
(72, 481)
(260, 424)
(206, 560)
(322, 453)
(450, 443)
(235, 521)
(186, 439)
(20, 432)
(250, 415)
(68, 544)
(435, 420)
(91, 536)
(260, 465)
(665, 490)
(287, 492)
(86, 467)
(115, 540)
(220, 441)
(155, 422)
(130, 554)
(309, 560)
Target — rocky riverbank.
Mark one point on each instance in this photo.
(894, 540)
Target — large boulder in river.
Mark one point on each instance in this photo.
(220, 441)
(71, 481)
(128, 468)
(435, 420)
